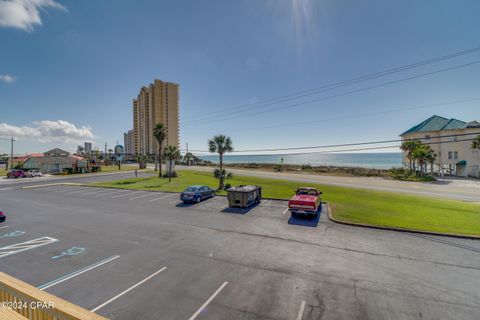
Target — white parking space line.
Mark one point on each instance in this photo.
(126, 194)
(208, 301)
(176, 202)
(77, 191)
(3, 227)
(224, 206)
(110, 192)
(163, 197)
(286, 210)
(24, 246)
(76, 273)
(300, 311)
(2, 189)
(127, 290)
(142, 196)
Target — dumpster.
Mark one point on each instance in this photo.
(244, 196)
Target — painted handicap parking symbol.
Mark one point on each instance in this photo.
(70, 252)
(12, 234)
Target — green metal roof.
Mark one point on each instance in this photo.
(436, 123)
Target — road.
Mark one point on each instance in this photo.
(148, 257)
(448, 188)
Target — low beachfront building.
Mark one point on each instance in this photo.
(55, 161)
(451, 141)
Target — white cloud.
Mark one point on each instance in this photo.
(48, 131)
(24, 14)
(7, 78)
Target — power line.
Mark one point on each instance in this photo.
(348, 144)
(336, 85)
(360, 115)
(357, 149)
(344, 93)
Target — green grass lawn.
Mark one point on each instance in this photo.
(3, 172)
(114, 168)
(348, 204)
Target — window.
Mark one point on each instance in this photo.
(427, 137)
(450, 155)
(455, 155)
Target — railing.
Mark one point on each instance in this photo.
(19, 300)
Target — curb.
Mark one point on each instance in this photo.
(52, 184)
(432, 233)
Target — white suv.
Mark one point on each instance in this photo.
(34, 173)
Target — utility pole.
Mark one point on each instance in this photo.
(12, 140)
(105, 155)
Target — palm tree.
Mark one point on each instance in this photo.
(424, 154)
(220, 144)
(409, 147)
(172, 154)
(187, 158)
(476, 143)
(160, 133)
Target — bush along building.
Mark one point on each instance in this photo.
(451, 140)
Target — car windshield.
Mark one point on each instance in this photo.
(307, 192)
(191, 189)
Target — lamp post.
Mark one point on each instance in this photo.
(12, 140)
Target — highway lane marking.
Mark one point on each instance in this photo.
(77, 273)
(208, 301)
(163, 197)
(24, 246)
(128, 290)
(126, 194)
(300, 311)
(286, 210)
(2, 189)
(142, 196)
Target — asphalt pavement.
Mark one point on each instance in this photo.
(143, 255)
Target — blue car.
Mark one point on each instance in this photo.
(197, 194)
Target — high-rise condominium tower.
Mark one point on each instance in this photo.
(156, 103)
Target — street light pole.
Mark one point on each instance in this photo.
(12, 140)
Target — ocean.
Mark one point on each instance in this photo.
(364, 160)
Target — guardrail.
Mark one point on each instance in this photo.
(19, 300)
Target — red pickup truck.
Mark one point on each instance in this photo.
(305, 202)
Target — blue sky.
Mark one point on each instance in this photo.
(69, 69)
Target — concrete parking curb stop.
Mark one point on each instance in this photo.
(365, 225)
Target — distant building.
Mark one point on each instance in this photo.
(87, 149)
(156, 103)
(128, 142)
(454, 155)
(55, 160)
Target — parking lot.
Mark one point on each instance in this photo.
(144, 255)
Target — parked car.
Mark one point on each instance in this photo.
(197, 193)
(16, 174)
(34, 173)
(306, 202)
(2, 216)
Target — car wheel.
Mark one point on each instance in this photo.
(198, 199)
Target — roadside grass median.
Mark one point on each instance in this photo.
(123, 167)
(350, 205)
(3, 172)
